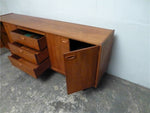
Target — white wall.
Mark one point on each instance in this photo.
(130, 19)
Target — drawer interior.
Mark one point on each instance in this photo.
(75, 45)
(17, 44)
(27, 33)
(16, 57)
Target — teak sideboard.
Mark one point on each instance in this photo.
(79, 52)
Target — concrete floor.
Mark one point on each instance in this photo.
(20, 93)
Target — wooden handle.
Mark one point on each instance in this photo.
(20, 50)
(71, 57)
(20, 64)
(64, 41)
(22, 38)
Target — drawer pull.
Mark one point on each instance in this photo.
(64, 41)
(22, 38)
(20, 64)
(70, 57)
(29, 39)
(20, 51)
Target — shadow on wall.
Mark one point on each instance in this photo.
(114, 50)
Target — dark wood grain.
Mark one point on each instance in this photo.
(31, 30)
(80, 68)
(89, 34)
(1, 40)
(37, 44)
(3, 37)
(29, 54)
(80, 52)
(9, 27)
(57, 46)
(103, 59)
(32, 69)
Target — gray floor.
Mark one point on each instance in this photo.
(20, 93)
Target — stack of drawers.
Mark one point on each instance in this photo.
(29, 52)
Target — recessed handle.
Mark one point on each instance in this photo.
(64, 41)
(22, 38)
(71, 57)
(20, 50)
(20, 64)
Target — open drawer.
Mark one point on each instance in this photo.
(31, 69)
(31, 55)
(30, 39)
(80, 65)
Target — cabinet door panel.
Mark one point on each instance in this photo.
(81, 66)
(57, 46)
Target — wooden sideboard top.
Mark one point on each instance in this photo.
(88, 34)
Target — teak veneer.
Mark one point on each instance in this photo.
(3, 37)
(79, 52)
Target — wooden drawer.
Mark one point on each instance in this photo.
(31, 55)
(31, 69)
(32, 40)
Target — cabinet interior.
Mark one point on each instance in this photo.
(28, 33)
(75, 45)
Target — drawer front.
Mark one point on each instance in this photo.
(28, 54)
(31, 69)
(31, 42)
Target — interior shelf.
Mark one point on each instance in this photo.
(75, 45)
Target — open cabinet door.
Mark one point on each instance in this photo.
(81, 66)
